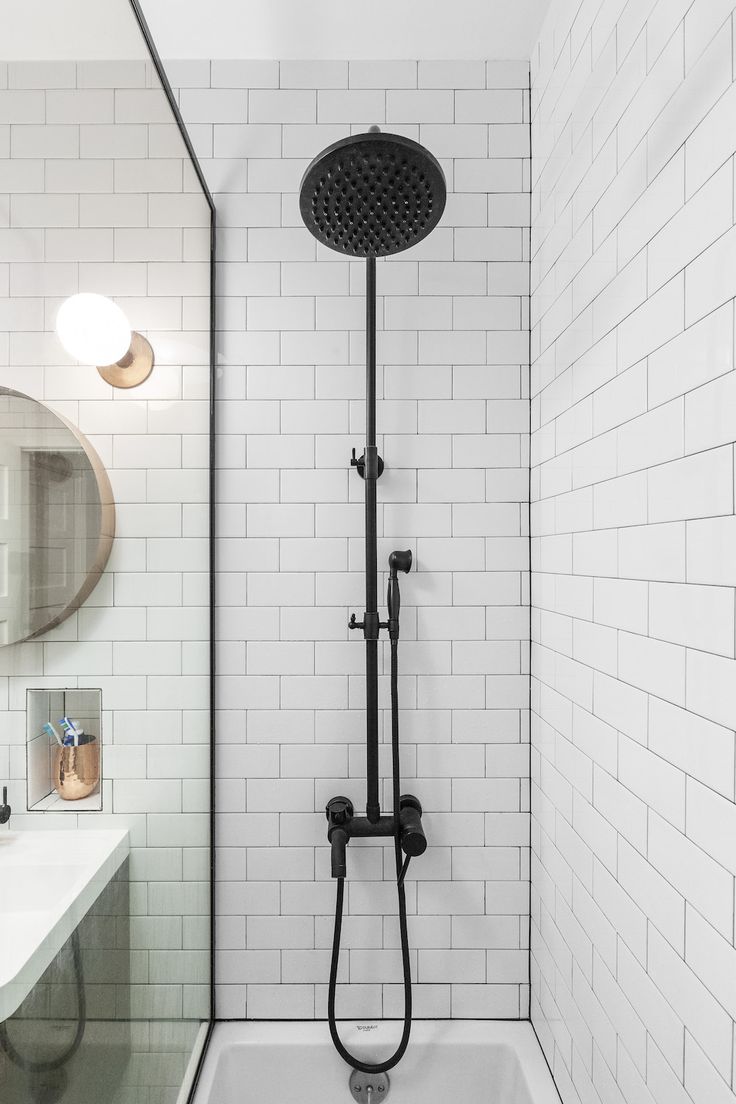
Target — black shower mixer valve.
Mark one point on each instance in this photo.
(343, 825)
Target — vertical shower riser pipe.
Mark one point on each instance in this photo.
(373, 808)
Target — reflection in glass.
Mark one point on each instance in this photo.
(57, 518)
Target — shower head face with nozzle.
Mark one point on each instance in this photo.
(372, 195)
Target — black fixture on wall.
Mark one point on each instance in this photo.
(372, 195)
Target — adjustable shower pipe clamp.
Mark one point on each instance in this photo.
(343, 825)
(364, 466)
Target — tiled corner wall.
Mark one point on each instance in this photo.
(453, 425)
(97, 194)
(634, 550)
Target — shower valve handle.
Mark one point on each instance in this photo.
(339, 811)
(413, 839)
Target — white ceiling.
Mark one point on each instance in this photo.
(345, 28)
(70, 30)
(272, 28)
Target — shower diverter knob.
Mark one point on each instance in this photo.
(339, 810)
(413, 839)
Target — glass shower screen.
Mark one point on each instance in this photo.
(100, 192)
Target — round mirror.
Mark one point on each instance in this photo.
(57, 518)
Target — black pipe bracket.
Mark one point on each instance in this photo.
(360, 463)
(371, 625)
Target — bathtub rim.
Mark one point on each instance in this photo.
(518, 1035)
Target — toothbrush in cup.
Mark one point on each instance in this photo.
(49, 729)
(71, 732)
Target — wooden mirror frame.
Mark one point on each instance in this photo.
(107, 519)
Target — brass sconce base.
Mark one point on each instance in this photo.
(132, 369)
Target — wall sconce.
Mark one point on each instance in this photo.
(95, 330)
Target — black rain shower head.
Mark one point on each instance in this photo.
(371, 195)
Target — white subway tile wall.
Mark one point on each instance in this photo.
(633, 664)
(453, 430)
(97, 194)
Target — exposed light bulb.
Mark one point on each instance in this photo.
(93, 329)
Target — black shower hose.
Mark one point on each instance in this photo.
(357, 1063)
(52, 1064)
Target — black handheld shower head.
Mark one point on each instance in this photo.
(397, 561)
(400, 561)
(373, 194)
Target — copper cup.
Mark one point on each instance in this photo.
(77, 770)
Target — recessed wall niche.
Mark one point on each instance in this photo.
(64, 777)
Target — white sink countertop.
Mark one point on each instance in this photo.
(48, 882)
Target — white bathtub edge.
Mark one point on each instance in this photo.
(519, 1035)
